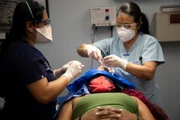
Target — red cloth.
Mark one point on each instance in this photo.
(101, 84)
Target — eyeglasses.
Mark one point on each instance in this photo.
(46, 22)
(127, 26)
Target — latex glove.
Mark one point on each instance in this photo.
(115, 61)
(93, 52)
(74, 69)
(62, 70)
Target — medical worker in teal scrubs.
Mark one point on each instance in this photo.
(134, 54)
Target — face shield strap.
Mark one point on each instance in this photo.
(34, 21)
(30, 10)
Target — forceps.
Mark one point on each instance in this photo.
(102, 63)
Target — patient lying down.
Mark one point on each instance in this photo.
(106, 105)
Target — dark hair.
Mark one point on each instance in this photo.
(21, 15)
(134, 10)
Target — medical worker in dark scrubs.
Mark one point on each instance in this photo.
(27, 83)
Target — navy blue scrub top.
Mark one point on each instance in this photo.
(24, 65)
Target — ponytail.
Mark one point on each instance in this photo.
(144, 24)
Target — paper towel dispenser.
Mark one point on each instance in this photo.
(167, 26)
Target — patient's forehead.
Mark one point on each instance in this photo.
(102, 68)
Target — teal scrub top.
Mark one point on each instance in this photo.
(146, 48)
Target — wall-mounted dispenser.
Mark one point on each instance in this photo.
(167, 24)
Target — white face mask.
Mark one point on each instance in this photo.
(44, 34)
(125, 34)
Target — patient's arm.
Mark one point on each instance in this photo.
(66, 111)
(144, 112)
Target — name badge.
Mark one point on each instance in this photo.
(126, 54)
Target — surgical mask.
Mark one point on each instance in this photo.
(44, 34)
(125, 34)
